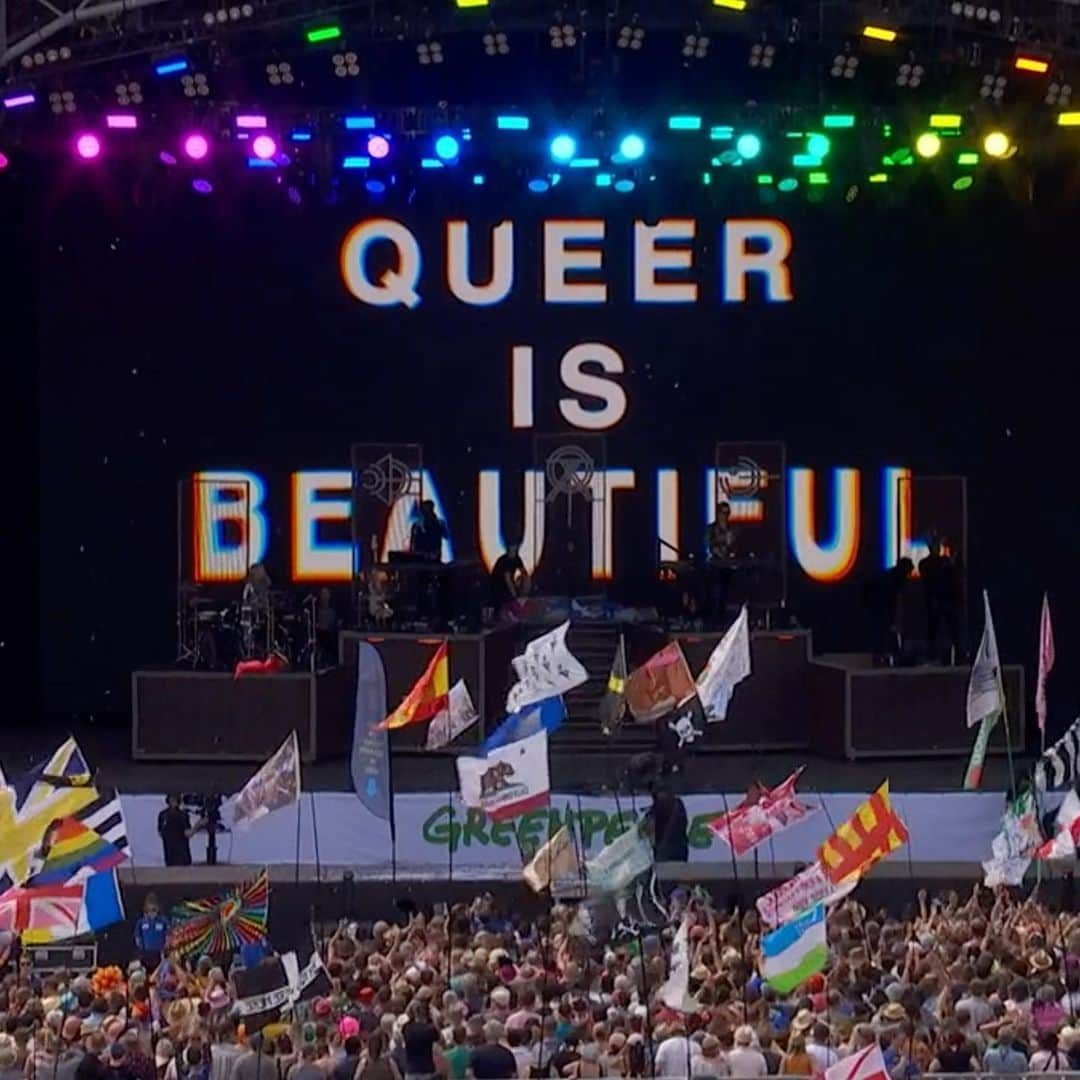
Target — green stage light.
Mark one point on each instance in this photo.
(818, 178)
(764, 179)
(879, 178)
(684, 123)
(789, 183)
(806, 161)
(928, 145)
(322, 33)
(967, 157)
(818, 145)
(962, 183)
(839, 120)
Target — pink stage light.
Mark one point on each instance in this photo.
(4, 160)
(264, 147)
(88, 147)
(196, 147)
(250, 120)
(124, 121)
(378, 147)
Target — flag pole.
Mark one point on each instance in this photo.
(1008, 735)
(299, 816)
(450, 846)
(731, 845)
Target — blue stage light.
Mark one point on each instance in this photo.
(447, 147)
(171, 67)
(539, 185)
(624, 186)
(563, 148)
(632, 147)
(748, 146)
(376, 187)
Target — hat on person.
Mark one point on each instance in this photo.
(508, 973)
(803, 1020)
(894, 1012)
(163, 1053)
(816, 983)
(1041, 960)
(365, 994)
(322, 1007)
(117, 1052)
(309, 1033)
(218, 998)
(744, 1035)
(348, 1025)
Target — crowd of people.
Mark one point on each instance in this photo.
(989, 983)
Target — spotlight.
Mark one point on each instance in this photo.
(429, 52)
(195, 86)
(279, 74)
(749, 146)
(496, 43)
(229, 14)
(1059, 92)
(632, 147)
(975, 12)
(928, 145)
(910, 74)
(563, 148)
(761, 55)
(378, 147)
(4, 161)
(447, 148)
(345, 64)
(844, 65)
(128, 93)
(993, 86)
(695, 46)
(631, 36)
(996, 144)
(562, 35)
(263, 147)
(88, 146)
(62, 102)
(196, 146)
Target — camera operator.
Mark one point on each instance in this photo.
(175, 829)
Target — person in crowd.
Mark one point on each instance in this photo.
(797, 1061)
(151, 932)
(175, 829)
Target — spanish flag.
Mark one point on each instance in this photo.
(871, 833)
(429, 695)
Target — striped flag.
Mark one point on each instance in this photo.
(795, 951)
(871, 833)
(1046, 663)
(428, 697)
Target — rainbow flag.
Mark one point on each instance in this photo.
(74, 850)
(220, 924)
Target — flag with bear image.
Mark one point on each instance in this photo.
(510, 780)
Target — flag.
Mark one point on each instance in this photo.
(547, 668)
(275, 785)
(31, 804)
(277, 982)
(675, 991)
(613, 703)
(728, 665)
(102, 904)
(762, 814)
(555, 865)
(427, 697)
(1046, 663)
(974, 771)
(619, 863)
(808, 887)
(221, 923)
(868, 1064)
(369, 762)
(1058, 766)
(458, 716)
(1015, 844)
(794, 952)
(511, 780)
(660, 685)
(1062, 845)
(984, 697)
(678, 730)
(871, 833)
(546, 715)
(71, 850)
(42, 914)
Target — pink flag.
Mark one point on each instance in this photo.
(1046, 662)
(763, 813)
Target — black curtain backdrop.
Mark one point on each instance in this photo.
(183, 333)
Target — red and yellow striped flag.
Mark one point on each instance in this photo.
(871, 833)
(429, 695)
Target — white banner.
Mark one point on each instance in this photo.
(944, 827)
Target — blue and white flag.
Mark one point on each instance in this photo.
(794, 952)
(102, 905)
(546, 715)
(370, 760)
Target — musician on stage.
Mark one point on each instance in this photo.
(508, 581)
(720, 539)
(425, 540)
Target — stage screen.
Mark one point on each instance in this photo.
(239, 346)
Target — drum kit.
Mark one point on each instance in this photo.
(213, 633)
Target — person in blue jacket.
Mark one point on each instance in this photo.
(150, 933)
